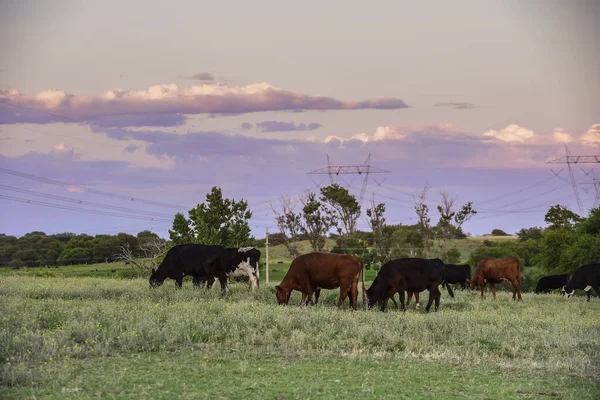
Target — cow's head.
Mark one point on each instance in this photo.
(155, 280)
(567, 291)
(283, 295)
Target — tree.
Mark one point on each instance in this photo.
(218, 221)
(560, 217)
(532, 233)
(316, 222)
(341, 207)
(499, 232)
(424, 221)
(289, 224)
(152, 252)
(591, 224)
(450, 223)
(377, 224)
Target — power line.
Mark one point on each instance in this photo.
(516, 191)
(89, 190)
(71, 208)
(83, 202)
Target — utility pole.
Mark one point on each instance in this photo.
(569, 159)
(267, 256)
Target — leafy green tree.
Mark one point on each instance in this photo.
(316, 222)
(218, 220)
(560, 217)
(499, 232)
(534, 233)
(591, 224)
(341, 207)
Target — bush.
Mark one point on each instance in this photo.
(499, 232)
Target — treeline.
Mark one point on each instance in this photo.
(568, 242)
(38, 249)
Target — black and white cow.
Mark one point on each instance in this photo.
(587, 277)
(238, 262)
(550, 282)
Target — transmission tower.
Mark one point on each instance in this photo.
(569, 159)
(366, 168)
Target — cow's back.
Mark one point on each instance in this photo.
(495, 269)
(324, 270)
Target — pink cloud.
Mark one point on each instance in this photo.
(592, 136)
(169, 99)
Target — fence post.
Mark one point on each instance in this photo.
(267, 256)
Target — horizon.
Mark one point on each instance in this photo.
(144, 118)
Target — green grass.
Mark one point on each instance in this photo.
(85, 337)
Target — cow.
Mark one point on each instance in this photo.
(495, 270)
(312, 272)
(587, 277)
(458, 273)
(238, 262)
(547, 283)
(198, 260)
(411, 275)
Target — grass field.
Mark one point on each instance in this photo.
(80, 337)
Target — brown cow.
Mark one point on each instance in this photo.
(314, 271)
(493, 271)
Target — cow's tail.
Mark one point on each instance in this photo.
(364, 291)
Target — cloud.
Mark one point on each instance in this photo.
(512, 133)
(247, 125)
(280, 126)
(561, 136)
(592, 136)
(459, 105)
(169, 99)
(202, 76)
(131, 148)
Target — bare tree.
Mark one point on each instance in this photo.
(289, 224)
(376, 222)
(424, 223)
(151, 252)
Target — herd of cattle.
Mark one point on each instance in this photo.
(309, 273)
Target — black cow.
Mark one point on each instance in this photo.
(408, 274)
(458, 273)
(198, 260)
(586, 277)
(235, 265)
(547, 283)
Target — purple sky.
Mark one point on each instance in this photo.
(469, 98)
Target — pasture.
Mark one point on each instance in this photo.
(80, 337)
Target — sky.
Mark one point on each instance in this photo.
(116, 115)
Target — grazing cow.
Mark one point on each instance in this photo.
(315, 271)
(411, 275)
(587, 277)
(495, 270)
(198, 260)
(238, 262)
(547, 283)
(458, 273)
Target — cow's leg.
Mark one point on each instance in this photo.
(353, 295)
(401, 295)
(224, 281)
(596, 288)
(304, 301)
(431, 297)
(343, 294)
(417, 305)
(383, 305)
(516, 288)
(438, 294)
(179, 281)
(394, 301)
(482, 287)
(463, 285)
(493, 289)
(408, 297)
